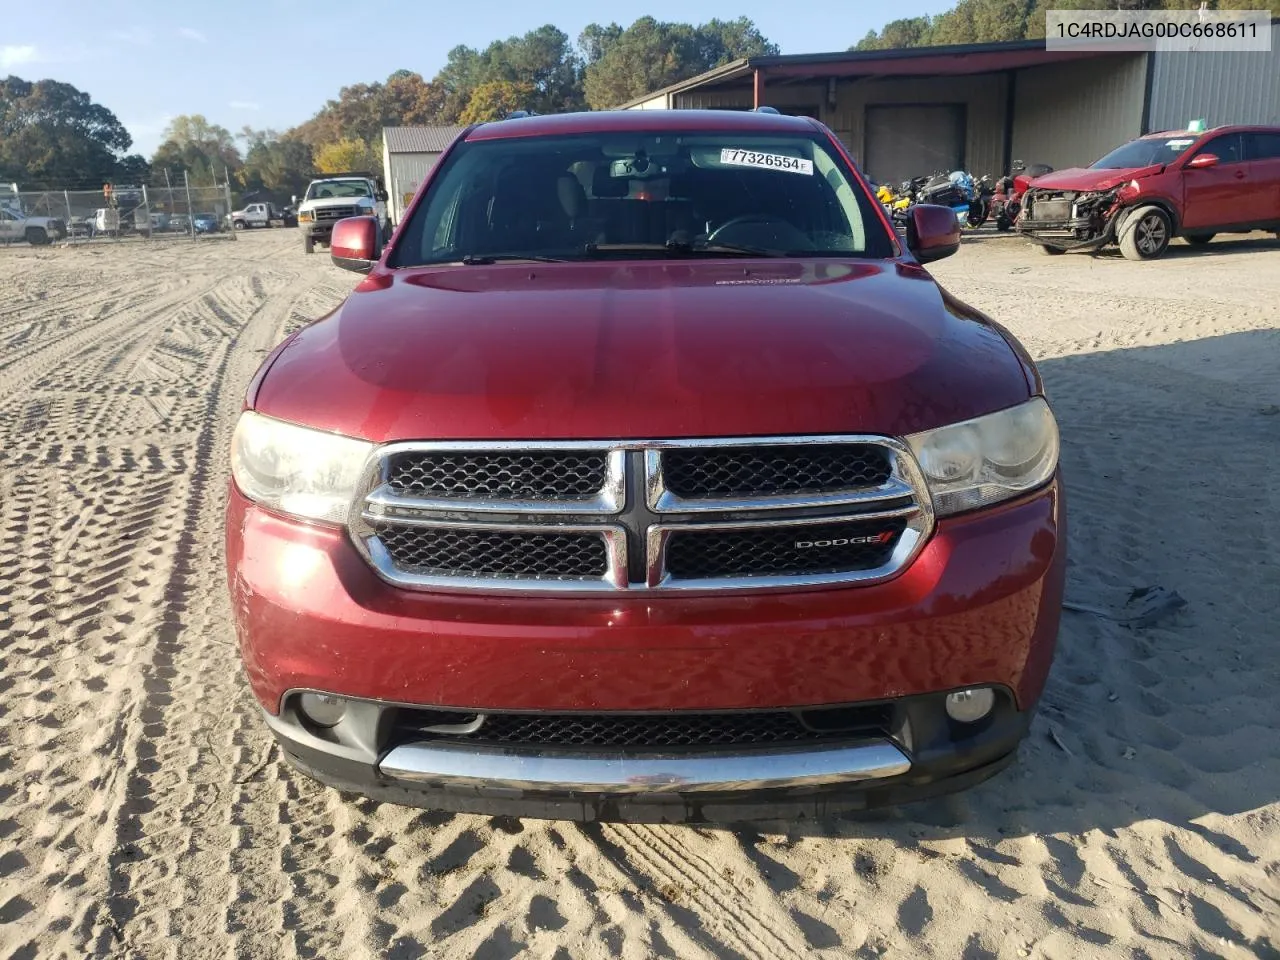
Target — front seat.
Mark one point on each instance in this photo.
(573, 199)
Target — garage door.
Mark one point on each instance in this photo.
(906, 142)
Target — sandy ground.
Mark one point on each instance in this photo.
(144, 812)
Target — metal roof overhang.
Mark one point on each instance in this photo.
(943, 61)
(932, 64)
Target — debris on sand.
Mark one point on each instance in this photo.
(1145, 607)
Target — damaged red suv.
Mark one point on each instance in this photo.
(1146, 192)
(647, 475)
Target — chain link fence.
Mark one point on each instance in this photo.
(168, 210)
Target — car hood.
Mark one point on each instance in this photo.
(1087, 178)
(644, 350)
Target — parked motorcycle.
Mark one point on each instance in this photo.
(980, 205)
(968, 198)
(896, 202)
(955, 190)
(1006, 202)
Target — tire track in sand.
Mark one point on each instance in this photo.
(195, 702)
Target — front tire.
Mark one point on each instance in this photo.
(36, 236)
(238, 224)
(1199, 239)
(1145, 234)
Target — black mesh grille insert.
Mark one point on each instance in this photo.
(765, 470)
(659, 731)
(553, 475)
(840, 547)
(447, 551)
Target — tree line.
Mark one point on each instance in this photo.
(989, 21)
(52, 134)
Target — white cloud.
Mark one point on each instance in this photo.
(244, 105)
(15, 56)
(138, 36)
(190, 33)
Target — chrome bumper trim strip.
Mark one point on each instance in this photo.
(596, 772)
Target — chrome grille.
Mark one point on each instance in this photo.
(335, 213)
(496, 553)
(711, 514)
(696, 473)
(477, 475)
(782, 549)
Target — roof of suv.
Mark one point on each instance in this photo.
(1225, 128)
(641, 121)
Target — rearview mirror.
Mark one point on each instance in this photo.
(933, 232)
(1202, 161)
(355, 244)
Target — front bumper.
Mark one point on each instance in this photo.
(979, 606)
(322, 230)
(924, 755)
(1079, 234)
(1093, 224)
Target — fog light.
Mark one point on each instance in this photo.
(322, 709)
(970, 706)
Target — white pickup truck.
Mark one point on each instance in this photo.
(255, 215)
(37, 231)
(337, 196)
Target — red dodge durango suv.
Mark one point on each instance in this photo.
(647, 475)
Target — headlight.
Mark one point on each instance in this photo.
(989, 459)
(302, 472)
(306, 216)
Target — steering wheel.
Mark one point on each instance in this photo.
(740, 221)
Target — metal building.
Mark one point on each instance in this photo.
(408, 154)
(1224, 87)
(906, 113)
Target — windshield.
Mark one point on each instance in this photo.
(661, 195)
(1145, 153)
(324, 189)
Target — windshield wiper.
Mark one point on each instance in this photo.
(484, 259)
(735, 249)
(681, 249)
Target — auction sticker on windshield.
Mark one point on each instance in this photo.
(768, 161)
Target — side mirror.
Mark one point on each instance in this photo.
(382, 195)
(1202, 161)
(355, 244)
(933, 232)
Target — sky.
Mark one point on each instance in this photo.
(273, 63)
